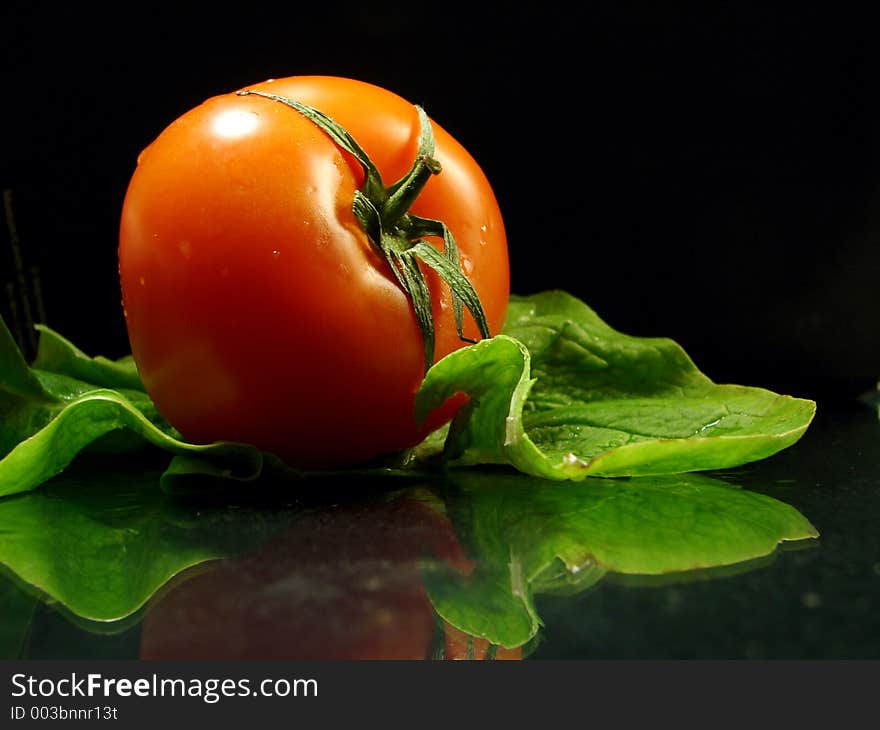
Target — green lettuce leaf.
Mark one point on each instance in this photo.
(530, 536)
(58, 355)
(561, 395)
(67, 402)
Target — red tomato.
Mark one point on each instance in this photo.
(257, 308)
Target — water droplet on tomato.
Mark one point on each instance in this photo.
(276, 252)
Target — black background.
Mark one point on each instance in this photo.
(706, 173)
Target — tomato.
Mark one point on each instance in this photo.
(258, 310)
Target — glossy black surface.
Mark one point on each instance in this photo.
(347, 581)
(816, 600)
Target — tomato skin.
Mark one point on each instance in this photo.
(257, 309)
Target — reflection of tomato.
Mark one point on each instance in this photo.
(257, 309)
(339, 584)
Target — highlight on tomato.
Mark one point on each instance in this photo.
(294, 255)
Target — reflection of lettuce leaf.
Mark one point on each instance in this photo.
(103, 545)
(562, 395)
(530, 536)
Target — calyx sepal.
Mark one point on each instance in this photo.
(400, 236)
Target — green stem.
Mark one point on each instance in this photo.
(404, 196)
(383, 214)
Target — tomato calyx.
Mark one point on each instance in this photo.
(398, 235)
